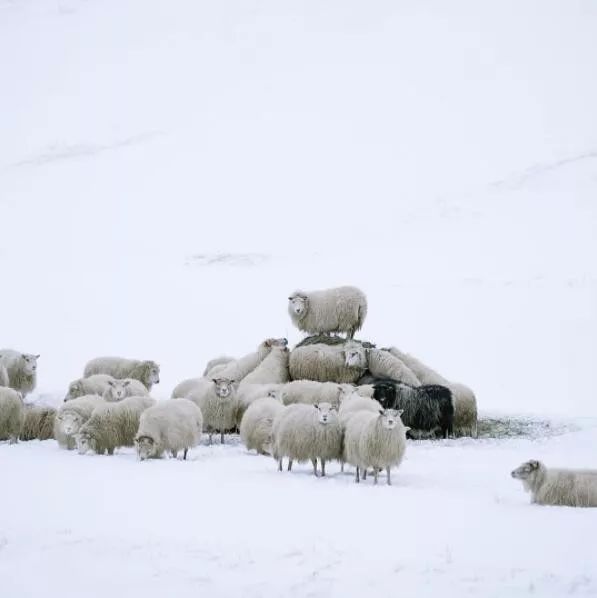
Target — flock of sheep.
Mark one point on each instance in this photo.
(329, 399)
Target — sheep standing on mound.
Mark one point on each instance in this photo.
(383, 364)
(239, 368)
(94, 385)
(217, 361)
(465, 402)
(307, 433)
(70, 418)
(112, 425)
(121, 389)
(11, 414)
(558, 487)
(38, 422)
(218, 403)
(169, 426)
(21, 369)
(427, 409)
(147, 372)
(342, 364)
(338, 310)
(376, 440)
(256, 424)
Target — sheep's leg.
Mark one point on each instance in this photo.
(289, 464)
(184, 455)
(323, 467)
(314, 461)
(364, 473)
(174, 454)
(280, 464)
(211, 436)
(375, 473)
(389, 477)
(356, 479)
(110, 450)
(221, 437)
(13, 440)
(342, 466)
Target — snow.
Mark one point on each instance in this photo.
(169, 172)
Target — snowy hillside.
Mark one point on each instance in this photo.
(170, 171)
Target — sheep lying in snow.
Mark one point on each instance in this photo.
(428, 409)
(38, 422)
(217, 361)
(121, 389)
(218, 403)
(307, 432)
(147, 372)
(94, 385)
(343, 364)
(169, 426)
(70, 418)
(256, 424)
(3, 375)
(383, 364)
(376, 440)
(338, 310)
(112, 425)
(11, 414)
(21, 369)
(558, 487)
(239, 368)
(465, 403)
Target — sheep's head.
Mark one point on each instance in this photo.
(298, 304)
(118, 389)
(75, 390)
(224, 387)
(526, 470)
(326, 413)
(355, 357)
(345, 391)
(390, 418)
(275, 342)
(145, 447)
(29, 362)
(70, 422)
(85, 442)
(152, 373)
(276, 393)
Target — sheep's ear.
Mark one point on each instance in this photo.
(400, 412)
(382, 411)
(407, 428)
(126, 383)
(110, 382)
(316, 405)
(534, 464)
(214, 380)
(37, 356)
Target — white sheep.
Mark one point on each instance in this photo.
(558, 487)
(249, 393)
(272, 370)
(121, 389)
(383, 364)
(256, 424)
(465, 402)
(21, 369)
(217, 361)
(169, 426)
(307, 433)
(4, 381)
(94, 385)
(38, 422)
(184, 388)
(11, 414)
(353, 402)
(308, 392)
(342, 364)
(239, 368)
(218, 403)
(112, 425)
(376, 440)
(70, 418)
(147, 372)
(338, 310)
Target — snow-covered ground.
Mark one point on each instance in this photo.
(170, 171)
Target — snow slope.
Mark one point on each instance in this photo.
(169, 172)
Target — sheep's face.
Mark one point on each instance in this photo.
(354, 358)
(326, 413)
(70, 422)
(118, 389)
(74, 390)
(298, 305)
(29, 363)
(346, 391)
(224, 387)
(84, 443)
(145, 447)
(526, 471)
(390, 418)
(153, 373)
